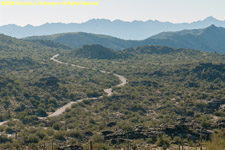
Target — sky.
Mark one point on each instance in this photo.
(176, 11)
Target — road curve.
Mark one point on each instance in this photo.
(62, 109)
(109, 91)
(2, 123)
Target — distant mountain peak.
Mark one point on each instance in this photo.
(28, 26)
(99, 21)
(211, 18)
(212, 27)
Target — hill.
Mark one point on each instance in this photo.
(13, 47)
(49, 43)
(136, 30)
(98, 52)
(207, 39)
(151, 49)
(77, 40)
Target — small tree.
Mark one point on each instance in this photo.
(163, 141)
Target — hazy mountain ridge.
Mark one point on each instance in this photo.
(136, 30)
(77, 40)
(206, 39)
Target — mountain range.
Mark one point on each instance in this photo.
(209, 39)
(136, 30)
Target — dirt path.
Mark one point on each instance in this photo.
(62, 109)
(2, 123)
(109, 91)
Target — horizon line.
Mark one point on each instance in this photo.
(113, 20)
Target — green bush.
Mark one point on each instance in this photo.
(75, 134)
(217, 141)
(163, 141)
(150, 141)
(60, 135)
(56, 126)
(98, 139)
(32, 139)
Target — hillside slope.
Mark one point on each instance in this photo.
(98, 52)
(177, 93)
(207, 39)
(77, 40)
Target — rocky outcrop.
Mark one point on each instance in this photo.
(181, 129)
(137, 133)
(111, 124)
(214, 105)
(71, 147)
(221, 123)
(88, 133)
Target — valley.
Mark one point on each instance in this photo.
(71, 96)
(112, 75)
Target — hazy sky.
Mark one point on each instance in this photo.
(127, 10)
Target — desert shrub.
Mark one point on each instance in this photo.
(150, 141)
(32, 139)
(56, 126)
(98, 139)
(60, 135)
(75, 134)
(217, 142)
(163, 141)
(101, 146)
